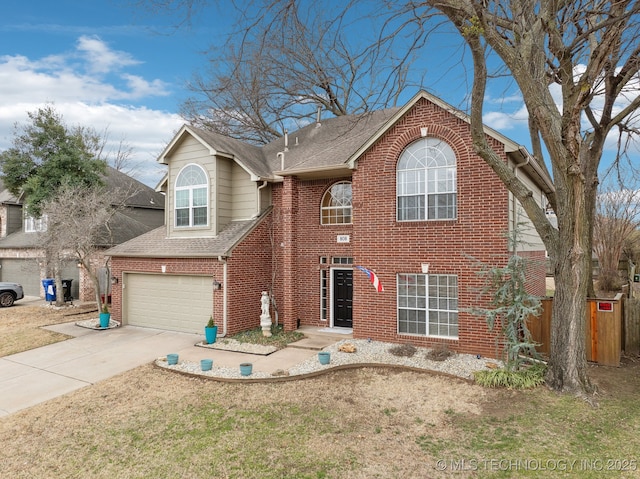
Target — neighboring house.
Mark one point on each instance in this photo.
(22, 260)
(398, 191)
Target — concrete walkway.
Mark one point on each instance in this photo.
(35, 376)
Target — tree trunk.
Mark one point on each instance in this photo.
(567, 369)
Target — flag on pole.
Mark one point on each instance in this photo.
(373, 278)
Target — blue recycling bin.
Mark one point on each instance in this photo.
(49, 285)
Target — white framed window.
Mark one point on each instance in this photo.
(192, 197)
(324, 294)
(428, 304)
(336, 204)
(426, 186)
(35, 225)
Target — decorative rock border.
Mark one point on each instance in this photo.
(238, 347)
(95, 324)
(365, 354)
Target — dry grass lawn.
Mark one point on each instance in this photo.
(20, 325)
(365, 423)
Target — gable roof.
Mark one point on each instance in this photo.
(156, 244)
(331, 148)
(250, 157)
(511, 148)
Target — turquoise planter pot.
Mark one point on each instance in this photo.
(245, 369)
(206, 364)
(324, 357)
(172, 359)
(105, 318)
(211, 334)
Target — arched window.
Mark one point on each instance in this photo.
(192, 197)
(426, 181)
(336, 204)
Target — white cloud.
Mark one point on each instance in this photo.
(100, 58)
(499, 120)
(89, 86)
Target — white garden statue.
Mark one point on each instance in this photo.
(265, 317)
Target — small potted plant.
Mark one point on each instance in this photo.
(105, 316)
(210, 331)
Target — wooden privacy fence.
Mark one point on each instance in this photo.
(632, 327)
(603, 329)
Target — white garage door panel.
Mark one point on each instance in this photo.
(174, 303)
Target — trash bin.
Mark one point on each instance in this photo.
(49, 285)
(66, 289)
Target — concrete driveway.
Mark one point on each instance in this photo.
(35, 376)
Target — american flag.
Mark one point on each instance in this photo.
(373, 278)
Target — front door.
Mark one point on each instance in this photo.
(343, 298)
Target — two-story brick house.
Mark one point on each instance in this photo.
(398, 191)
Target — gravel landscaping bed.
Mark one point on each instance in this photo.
(95, 324)
(239, 347)
(367, 352)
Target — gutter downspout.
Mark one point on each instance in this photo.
(264, 183)
(223, 260)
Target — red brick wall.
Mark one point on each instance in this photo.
(249, 273)
(302, 233)
(390, 247)
(536, 272)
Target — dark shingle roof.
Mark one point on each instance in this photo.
(249, 155)
(155, 243)
(330, 144)
(140, 195)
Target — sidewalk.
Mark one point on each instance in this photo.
(35, 376)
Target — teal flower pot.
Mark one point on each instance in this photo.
(211, 334)
(206, 364)
(105, 318)
(172, 359)
(245, 369)
(324, 357)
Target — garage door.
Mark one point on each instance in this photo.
(25, 272)
(174, 303)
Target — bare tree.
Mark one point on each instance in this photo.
(79, 226)
(588, 51)
(617, 217)
(285, 60)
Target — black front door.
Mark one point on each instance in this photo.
(343, 298)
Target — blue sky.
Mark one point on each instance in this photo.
(106, 64)
(100, 63)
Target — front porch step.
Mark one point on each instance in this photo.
(314, 343)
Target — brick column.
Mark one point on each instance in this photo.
(288, 246)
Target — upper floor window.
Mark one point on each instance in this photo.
(336, 204)
(192, 193)
(426, 181)
(35, 225)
